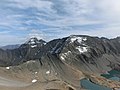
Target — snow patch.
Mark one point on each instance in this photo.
(45, 43)
(34, 80)
(31, 61)
(82, 49)
(67, 53)
(33, 46)
(32, 42)
(7, 68)
(62, 57)
(48, 72)
(36, 72)
(78, 39)
(84, 39)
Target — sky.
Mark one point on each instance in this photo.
(50, 19)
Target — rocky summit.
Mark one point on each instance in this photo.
(60, 64)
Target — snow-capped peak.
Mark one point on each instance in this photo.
(81, 47)
(79, 39)
(33, 42)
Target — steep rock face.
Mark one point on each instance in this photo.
(25, 52)
(91, 54)
(31, 49)
(85, 53)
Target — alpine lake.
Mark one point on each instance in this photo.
(112, 75)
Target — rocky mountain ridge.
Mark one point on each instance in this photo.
(73, 56)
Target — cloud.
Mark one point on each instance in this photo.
(7, 39)
(110, 9)
(58, 18)
(36, 33)
(29, 3)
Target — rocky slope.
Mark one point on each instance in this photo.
(67, 60)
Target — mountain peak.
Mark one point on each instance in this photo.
(78, 38)
(34, 41)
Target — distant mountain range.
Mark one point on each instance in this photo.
(67, 57)
(10, 47)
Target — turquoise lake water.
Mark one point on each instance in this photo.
(113, 75)
(91, 86)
